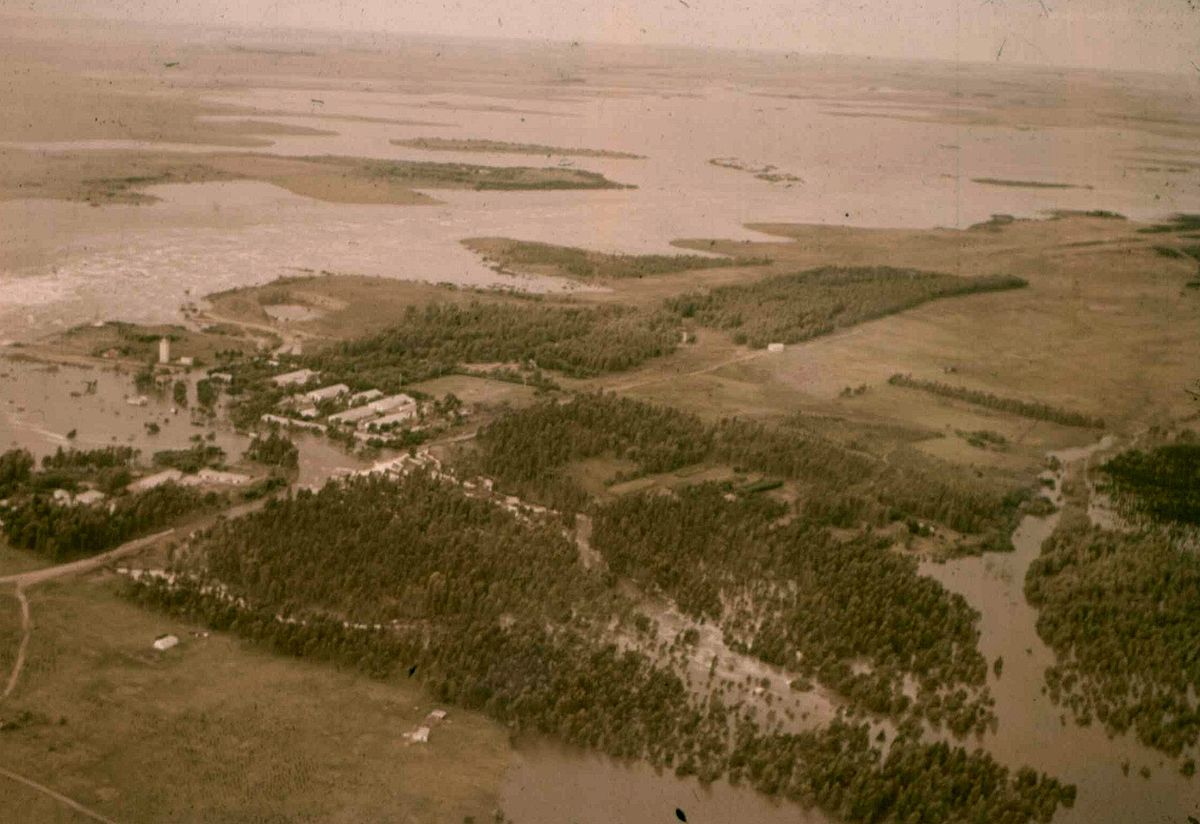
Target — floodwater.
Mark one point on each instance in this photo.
(63, 263)
(1032, 729)
(40, 403)
(549, 784)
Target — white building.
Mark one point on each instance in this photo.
(164, 642)
(393, 402)
(164, 350)
(774, 347)
(392, 419)
(297, 378)
(325, 393)
(158, 479)
(223, 377)
(91, 496)
(215, 477)
(282, 421)
(353, 415)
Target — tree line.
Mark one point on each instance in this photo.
(795, 307)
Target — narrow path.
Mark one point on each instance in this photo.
(57, 796)
(26, 627)
(36, 576)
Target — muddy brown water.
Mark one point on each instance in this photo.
(1033, 730)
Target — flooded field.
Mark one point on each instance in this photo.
(547, 784)
(1033, 729)
(45, 406)
(62, 263)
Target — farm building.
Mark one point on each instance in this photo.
(157, 479)
(297, 378)
(325, 393)
(392, 419)
(164, 642)
(353, 415)
(91, 496)
(392, 402)
(216, 477)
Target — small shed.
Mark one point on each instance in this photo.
(164, 642)
(774, 347)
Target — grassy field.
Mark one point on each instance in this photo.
(110, 177)
(140, 342)
(507, 255)
(14, 561)
(224, 732)
(1098, 293)
(449, 144)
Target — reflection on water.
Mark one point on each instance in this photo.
(548, 784)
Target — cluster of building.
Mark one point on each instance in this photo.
(367, 412)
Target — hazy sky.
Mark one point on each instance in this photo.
(1159, 35)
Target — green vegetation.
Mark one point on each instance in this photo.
(1159, 485)
(796, 307)
(1119, 610)
(448, 144)
(804, 600)
(483, 178)
(588, 265)
(435, 339)
(63, 532)
(493, 612)
(527, 451)
(273, 449)
(192, 459)
(1181, 222)
(1013, 406)
(1026, 184)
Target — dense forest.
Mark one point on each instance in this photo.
(796, 307)
(1026, 409)
(493, 611)
(434, 339)
(1158, 485)
(273, 449)
(527, 451)
(589, 265)
(1120, 611)
(802, 599)
(63, 532)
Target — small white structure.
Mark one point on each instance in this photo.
(436, 715)
(164, 642)
(308, 413)
(187, 360)
(61, 496)
(774, 347)
(325, 393)
(164, 350)
(157, 479)
(223, 377)
(418, 736)
(297, 378)
(137, 400)
(90, 497)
